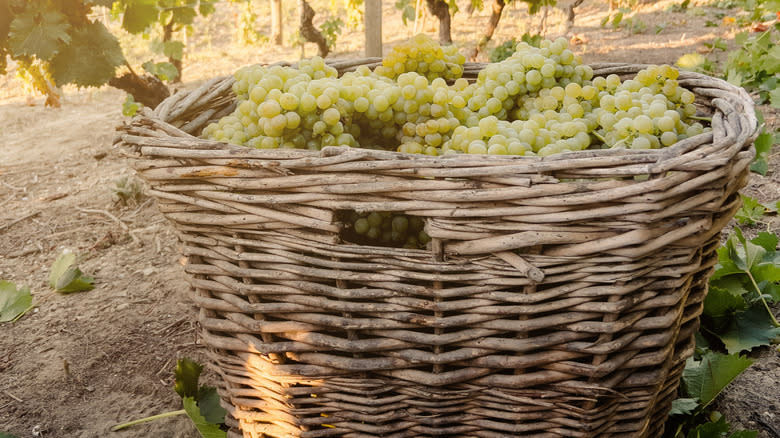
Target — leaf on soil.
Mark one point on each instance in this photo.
(208, 402)
(705, 379)
(749, 328)
(206, 429)
(66, 277)
(187, 374)
(13, 302)
(38, 33)
(684, 406)
(7, 435)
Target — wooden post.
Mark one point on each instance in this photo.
(373, 23)
(276, 22)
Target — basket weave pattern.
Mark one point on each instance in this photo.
(558, 298)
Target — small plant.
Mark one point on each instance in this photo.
(747, 277)
(200, 403)
(679, 7)
(755, 64)
(618, 20)
(130, 107)
(127, 190)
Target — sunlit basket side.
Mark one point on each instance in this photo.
(558, 298)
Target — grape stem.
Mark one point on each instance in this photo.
(144, 420)
(705, 119)
(598, 136)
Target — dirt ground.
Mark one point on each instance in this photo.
(79, 363)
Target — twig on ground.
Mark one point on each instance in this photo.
(107, 214)
(23, 253)
(16, 221)
(18, 189)
(13, 396)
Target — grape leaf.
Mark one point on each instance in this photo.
(187, 374)
(14, 303)
(90, 59)
(163, 70)
(749, 328)
(206, 429)
(38, 34)
(774, 100)
(705, 379)
(184, 15)
(684, 406)
(66, 277)
(763, 145)
(208, 401)
(139, 14)
(106, 3)
(719, 307)
(719, 429)
(751, 210)
(173, 49)
(206, 7)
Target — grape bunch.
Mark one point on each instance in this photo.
(539, 101)
(425, 56)
(388, 229)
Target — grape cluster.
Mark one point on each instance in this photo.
(539, 101)
(389, 229)
(425, 56)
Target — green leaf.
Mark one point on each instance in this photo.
(751, 210)
(139, 15)
(173, 49)
(7, 435)
(163, 70)
(206, 7)
(206, 429)
(766, 240)
(750, 328)
(63, 262)
(208, 401)
(720, 302)
(90, 59)
(774, 100)
(38, 34)
(691, 61)
(187, 374)
(763, 145)
(684, 406)
(66, 277)
(184, 15)
(14, 303)
(705, 379)
(130, 107)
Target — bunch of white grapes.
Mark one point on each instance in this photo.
(425, 56)
(389, 228)
(539, 101)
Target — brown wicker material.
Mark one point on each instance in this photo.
(559, 296)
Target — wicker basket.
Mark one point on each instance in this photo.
(559, 296)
